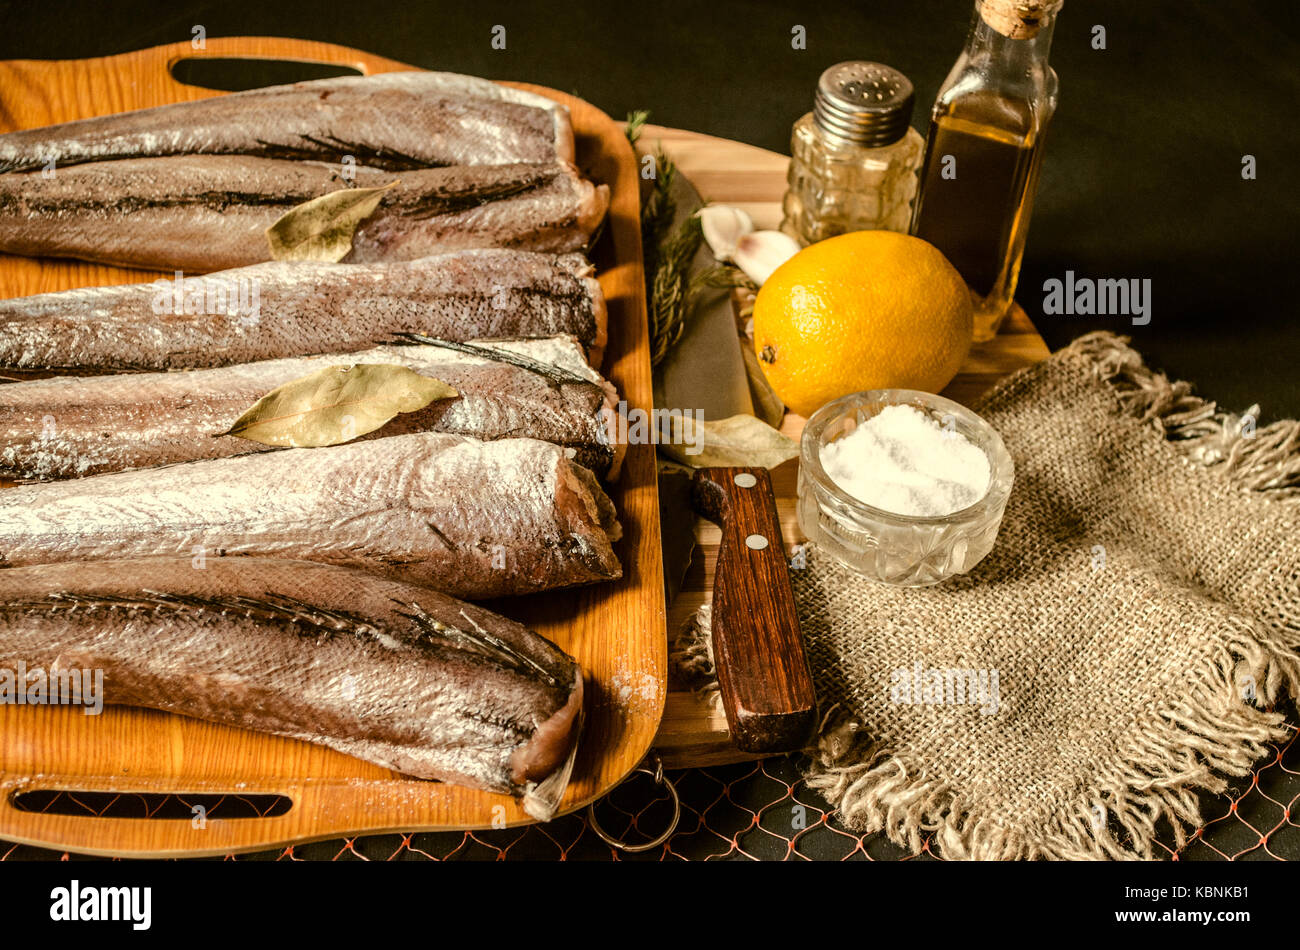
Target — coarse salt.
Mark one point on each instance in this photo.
(901, 460)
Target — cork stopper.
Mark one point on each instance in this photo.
(1018, 19)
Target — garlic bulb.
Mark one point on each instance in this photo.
(723, 228)
(762, 252)
(731, 237)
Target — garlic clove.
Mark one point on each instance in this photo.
(723, 228)
(762, 252)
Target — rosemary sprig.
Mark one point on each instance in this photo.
(669, 253)
(657, 214)
(668, 256)
(670, 291)
(635, 120)
(725, 276)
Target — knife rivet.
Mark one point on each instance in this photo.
(745, 480)
(756, 541)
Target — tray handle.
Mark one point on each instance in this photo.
(162, 59)
(155, 837)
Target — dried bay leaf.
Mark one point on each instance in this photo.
(767, 404)
(322, 229)
(337, 404)
(736, 440)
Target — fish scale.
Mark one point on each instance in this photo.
(395, 121)
(301, 308)
(203, 213)
(72, 427)
(225, 643)
(474, 519)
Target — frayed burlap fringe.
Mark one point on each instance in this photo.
(691, 655)
(1156, 774)
(1263, 460)
(1219, 727)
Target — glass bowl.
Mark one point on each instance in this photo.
(904, 550)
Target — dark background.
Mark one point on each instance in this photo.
(1143, 170)
(1142, 180)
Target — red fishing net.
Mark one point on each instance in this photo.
(751, 811)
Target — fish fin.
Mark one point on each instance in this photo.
(423, 207)
(269, 606)
(389, 159)
(541, 799)
(501, 646)
(554, 375)
(596, 233)
(480, 641)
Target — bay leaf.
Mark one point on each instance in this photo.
(322, 229)
(767, 404)
(337, 404)
(736, 440)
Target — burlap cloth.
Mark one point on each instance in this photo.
(1141, 610)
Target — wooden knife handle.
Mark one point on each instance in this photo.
(767, 690)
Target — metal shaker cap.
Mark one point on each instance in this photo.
(864, 103)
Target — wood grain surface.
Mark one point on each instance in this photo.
(616, 631)
(767, 690)
(694, 732)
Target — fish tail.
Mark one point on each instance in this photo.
(542, 799)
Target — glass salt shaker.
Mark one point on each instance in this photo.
(854, 158)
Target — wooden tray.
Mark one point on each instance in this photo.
(616, 631)
(694, 733)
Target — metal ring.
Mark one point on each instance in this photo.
(605, 836)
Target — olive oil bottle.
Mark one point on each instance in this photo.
(985, 148)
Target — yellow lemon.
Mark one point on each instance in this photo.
(866, 310)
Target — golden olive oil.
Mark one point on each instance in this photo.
(985, 148)
(980, 173)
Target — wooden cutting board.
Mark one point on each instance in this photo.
(616, 631)
(694, 733)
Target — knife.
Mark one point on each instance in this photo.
(704, 372)
(758, 649)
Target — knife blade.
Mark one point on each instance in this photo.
(766, 686)
(704, 373)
